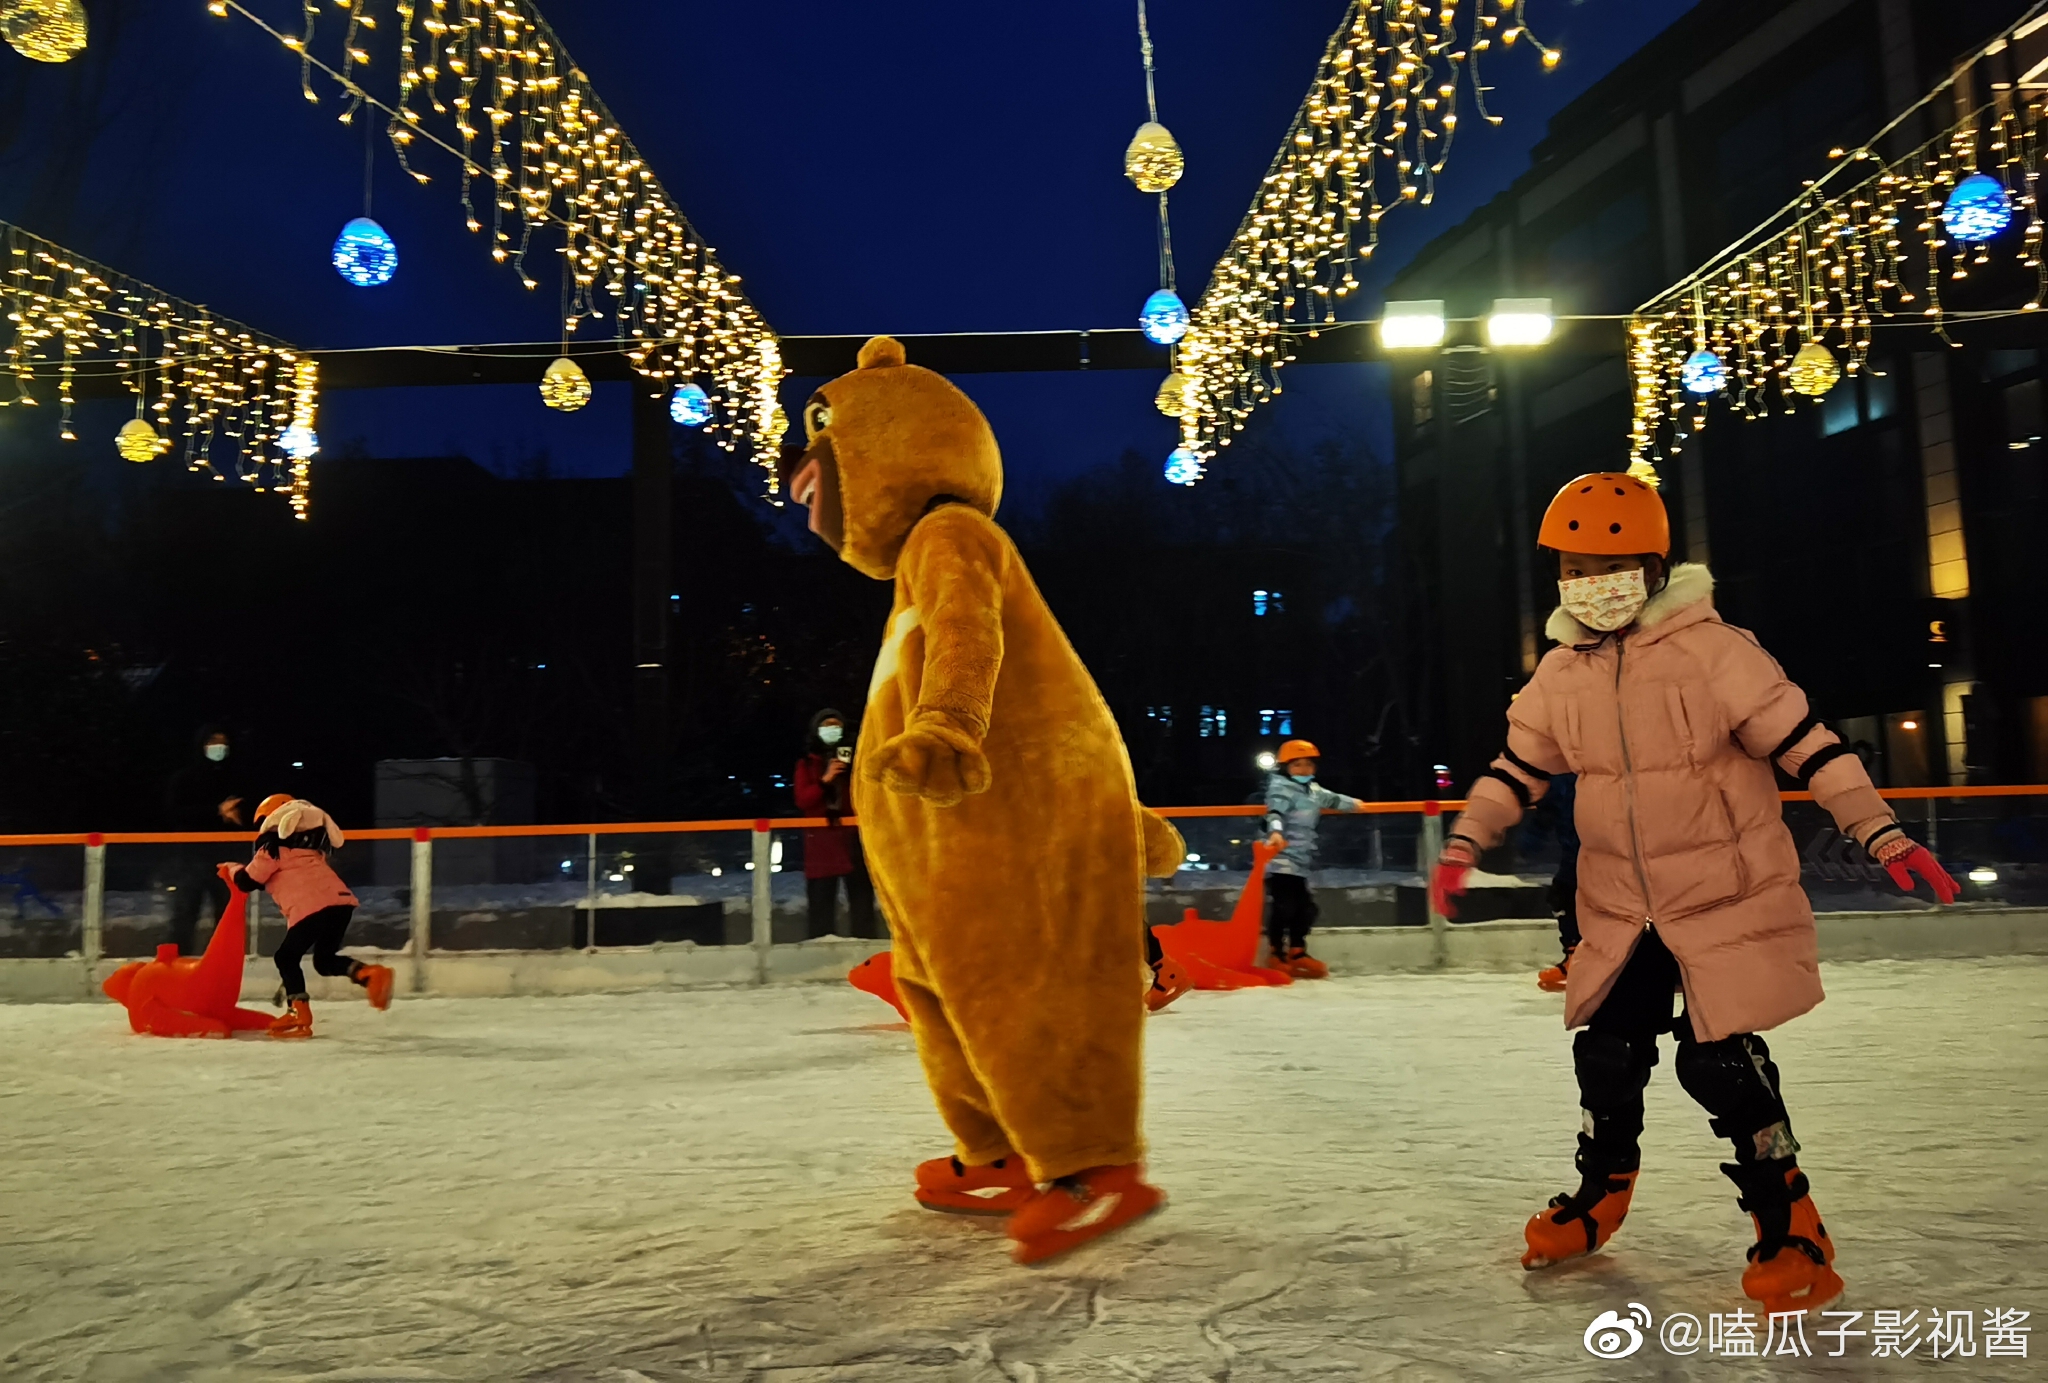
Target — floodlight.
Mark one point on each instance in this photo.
(1519, 322)
(1417, 325)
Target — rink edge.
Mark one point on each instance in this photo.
(1952, 933)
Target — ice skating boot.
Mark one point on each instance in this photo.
(296, 1021)
(1552, 979)
(376, 981)
(1297, 962)
(1169, 982)
(1574, 1225)
(1081, 1207)
(1001, 1186)
(1791, 1265)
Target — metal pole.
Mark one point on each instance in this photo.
(92, 941)
(764, 899)
(422, 939)
(590, 895)
(1430, 846)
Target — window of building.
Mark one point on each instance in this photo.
(1422, 412)
(1269, 603)
(1273, 722)
(1162, 714)
(1215, 721)
(1601, 259)
(1866, 397)
(2023, 414)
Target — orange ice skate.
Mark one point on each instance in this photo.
(1551, 979)
(297, 1021)
(997, 1188)
(1081, 1207)
(1791, 1265)
(1574, 1225)
(1300, 964)
(376, 981)
(1169, 982)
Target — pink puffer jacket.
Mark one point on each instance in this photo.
(1672, 726)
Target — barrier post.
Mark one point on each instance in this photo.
(764, 898)
(422, 938)
(92, 941)
(1428, 848)
(590, 898)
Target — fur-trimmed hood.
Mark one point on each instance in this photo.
(1691, 584)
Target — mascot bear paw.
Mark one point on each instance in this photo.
(932, 760)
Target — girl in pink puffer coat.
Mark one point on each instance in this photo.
(1688, 880)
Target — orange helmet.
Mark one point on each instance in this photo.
(271, 804)
(1297, 749)
(1608, 514)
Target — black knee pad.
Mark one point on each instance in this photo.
(1736, 1082)
(1612, 1069)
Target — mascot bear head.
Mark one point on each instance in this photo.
(887, 443)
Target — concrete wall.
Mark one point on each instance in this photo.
(1493, 946)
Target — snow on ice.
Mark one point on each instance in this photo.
(692, 1186)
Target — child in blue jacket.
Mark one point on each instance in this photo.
(1295, 804)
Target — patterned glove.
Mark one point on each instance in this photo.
(1903, 857)
(1447, 881)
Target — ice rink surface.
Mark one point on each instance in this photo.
(715, 1186)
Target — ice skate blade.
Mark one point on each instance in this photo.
(1827, 1287)
(966, 1203)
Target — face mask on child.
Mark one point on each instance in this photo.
(216, 752)
(830, 733)
(1606, 602)
(1301, 775)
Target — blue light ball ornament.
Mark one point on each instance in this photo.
(1977, 209)
(1703, 373)
(1165, 318)
(365, 254)
(1183, 467)
(689, 406)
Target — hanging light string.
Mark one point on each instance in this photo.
(1760, 324)
(1374, 131)
(527, 130)
(223, 390)
(1152, 115)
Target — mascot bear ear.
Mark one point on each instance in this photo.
(881, 352)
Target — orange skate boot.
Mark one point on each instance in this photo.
(1081, 1207)
(1169, 982)
(376, 980)
(1300, 964)
(1791, 1265)
(946, 1183)
(1574, 1225)
(1551, 980)
(297, 1021)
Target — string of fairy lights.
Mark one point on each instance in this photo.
(1374, 132)
(44, 30)
(1779, 318)
(544, 166)
(230, 400)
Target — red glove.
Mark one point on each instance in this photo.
(1918, 861)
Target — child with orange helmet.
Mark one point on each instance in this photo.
(291, 864)
(1688, 881)
(1295, 804)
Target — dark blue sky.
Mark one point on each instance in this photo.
(913, 167)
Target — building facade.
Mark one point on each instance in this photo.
(1877, 544)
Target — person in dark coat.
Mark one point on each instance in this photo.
(206, 794)
(831, 853)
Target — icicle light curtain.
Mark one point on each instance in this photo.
(1787, 311)
(541, 160)
(1374, 131)
(223, 395)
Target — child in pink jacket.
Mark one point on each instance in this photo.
(1688, 880)
(290, 864)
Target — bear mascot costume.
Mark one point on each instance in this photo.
(999, 815)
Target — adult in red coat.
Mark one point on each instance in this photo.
(832, 853)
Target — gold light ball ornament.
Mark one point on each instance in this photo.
(1153, 161)
(44, 30)
(1172, 396)
(1813, 371)
(564, 385)
(137, 441)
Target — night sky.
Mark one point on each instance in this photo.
(913, 167)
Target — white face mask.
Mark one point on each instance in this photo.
(216, 752)
(830, 733)
(1606, 602)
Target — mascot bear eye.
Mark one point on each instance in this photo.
(817, 417)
